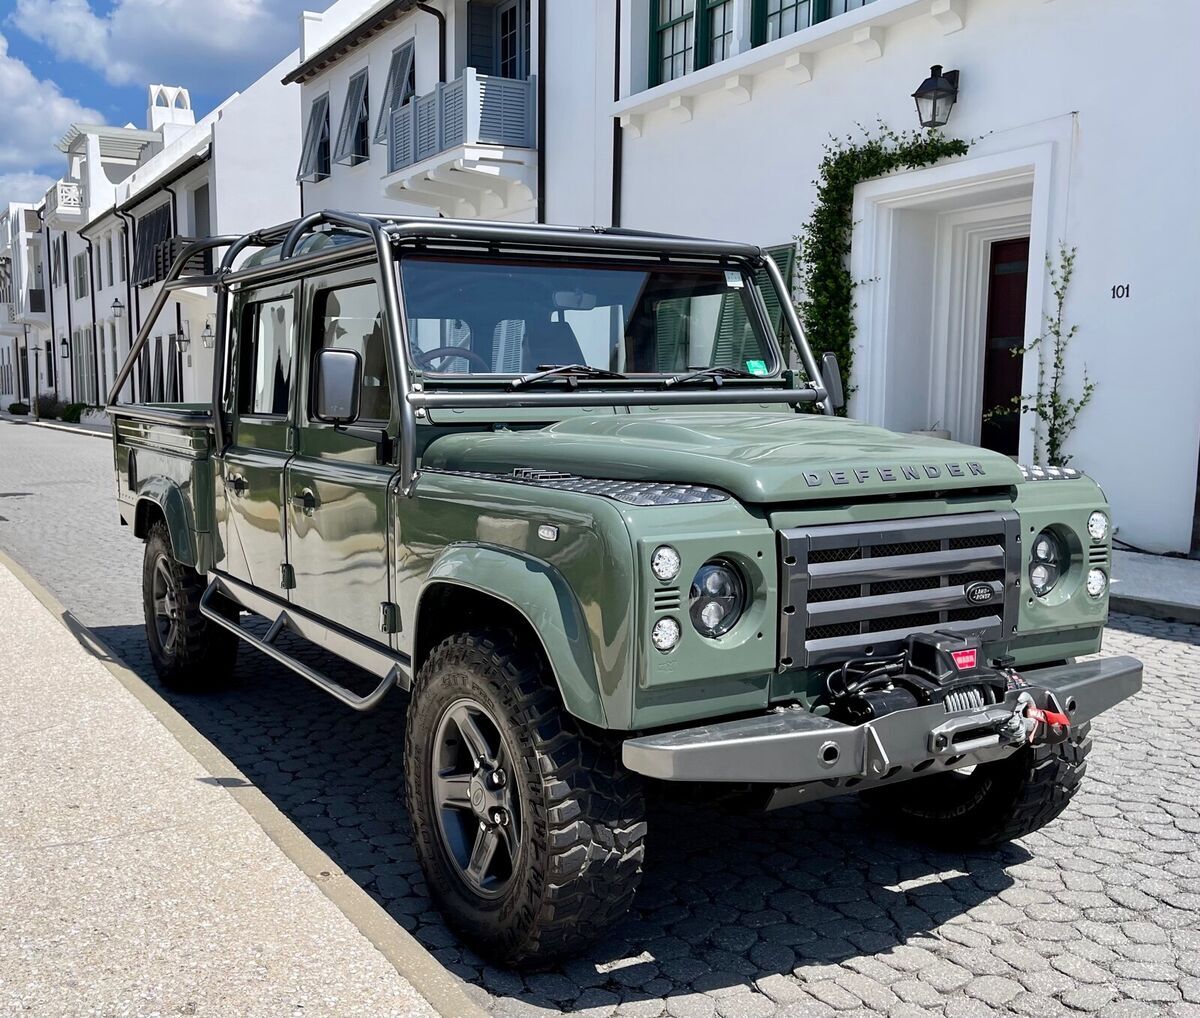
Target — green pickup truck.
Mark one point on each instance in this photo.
(562, 488)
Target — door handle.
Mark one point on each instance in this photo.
(304, 500)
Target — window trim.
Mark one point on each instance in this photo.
(396, 81)
(248, 315)
(312, 302)
(820, 10)
(310, 171)
(356, 111)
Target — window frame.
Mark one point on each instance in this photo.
(317, 133)
(819, 10)
(702, 18)
(354, 132)
(247, 318)
(314, 322)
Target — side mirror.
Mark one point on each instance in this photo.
(832, 375)
(338, 386)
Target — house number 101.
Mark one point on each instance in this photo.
(1120, 291)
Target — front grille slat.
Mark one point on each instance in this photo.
(864, 587)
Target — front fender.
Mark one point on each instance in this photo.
(166, 496)
(541, 594)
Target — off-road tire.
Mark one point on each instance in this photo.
(997, 802)
(203, 653)
(582, 831)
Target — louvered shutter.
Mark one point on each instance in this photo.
(481, 36)
(734, 332)
(352, 112)
(314, 134)
(671, 335)
(398, 91)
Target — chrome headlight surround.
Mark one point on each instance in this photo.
(717, 598)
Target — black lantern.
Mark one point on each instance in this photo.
(935, 98)
(66, 350)
(118, 309)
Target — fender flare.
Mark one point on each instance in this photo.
(169, 500)
(541, 595)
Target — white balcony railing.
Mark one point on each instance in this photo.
(66, 198)
(474, 109)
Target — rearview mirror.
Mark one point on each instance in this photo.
(338, 386)
(832, 376)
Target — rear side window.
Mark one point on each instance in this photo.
(265, 358)
(350, 318)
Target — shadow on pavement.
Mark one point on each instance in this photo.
(726, 901)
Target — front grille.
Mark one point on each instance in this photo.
(863, 588)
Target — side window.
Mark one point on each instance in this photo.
(265, 358)
(350, 318)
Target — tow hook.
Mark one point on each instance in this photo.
(1045, 726)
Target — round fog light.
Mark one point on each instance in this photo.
(1097, 582)
(665, 634)
(1097, 526)
(664, 563)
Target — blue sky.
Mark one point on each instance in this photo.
(63, 61)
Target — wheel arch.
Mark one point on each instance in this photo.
(161, 500)
(474, 585)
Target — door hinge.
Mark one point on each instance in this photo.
(287, 577)
(389, 617)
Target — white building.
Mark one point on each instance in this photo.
(422, 107)
(22, 304)
(94, 251)
(722, 111)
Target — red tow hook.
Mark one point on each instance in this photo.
(1059, 723)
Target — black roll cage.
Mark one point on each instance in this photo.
(381, 233)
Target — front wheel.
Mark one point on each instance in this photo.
(994, 802)
(189, 652)
(528, 828)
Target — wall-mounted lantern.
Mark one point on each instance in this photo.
(208, 338)
(66, 349)
(936, 97)
(118, 309)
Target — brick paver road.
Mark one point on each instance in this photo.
(811, 911)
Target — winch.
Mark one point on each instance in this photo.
(939, 667)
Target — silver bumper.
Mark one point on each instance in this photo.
(790, 747)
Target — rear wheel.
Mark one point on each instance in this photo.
(529, 829)
(189, 652)
(995, 802)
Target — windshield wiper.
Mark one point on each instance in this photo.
(572, 372)
(716, 374)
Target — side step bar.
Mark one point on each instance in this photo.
(390, 670)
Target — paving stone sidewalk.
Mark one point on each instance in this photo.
(130, 881)
(806, 912)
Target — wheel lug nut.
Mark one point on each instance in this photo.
(498, 779)
(500, 818)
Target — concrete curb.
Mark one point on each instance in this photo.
(70, 429)
(1149, 608)
(426, 974)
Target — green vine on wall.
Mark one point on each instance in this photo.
(1056, 412)
(826, 308)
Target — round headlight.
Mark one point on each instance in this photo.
(664, 563)
(1097, 582)
(717, 598)
(1049, 561)
(665, 634)
(1097, 526)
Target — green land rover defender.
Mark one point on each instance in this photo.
(562, 487)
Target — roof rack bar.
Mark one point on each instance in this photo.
(189, 252)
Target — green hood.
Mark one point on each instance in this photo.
(757, 457)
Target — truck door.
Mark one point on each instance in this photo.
(339, 479)
(252, 470)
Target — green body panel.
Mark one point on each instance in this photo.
(757, 457)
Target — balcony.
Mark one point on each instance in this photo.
(64, 204)
(467, 148)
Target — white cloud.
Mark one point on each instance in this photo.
(217, 46)
(33, 116)
(23, 186)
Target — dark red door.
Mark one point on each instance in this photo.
(1008, 275)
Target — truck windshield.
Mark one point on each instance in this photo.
(512, 317)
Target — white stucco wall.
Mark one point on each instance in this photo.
(1062, 75)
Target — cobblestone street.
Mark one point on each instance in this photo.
(805, 912)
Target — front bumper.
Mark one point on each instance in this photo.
(791, 746)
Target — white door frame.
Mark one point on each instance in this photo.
(1014, 191)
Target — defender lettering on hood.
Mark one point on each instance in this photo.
(862, 475)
